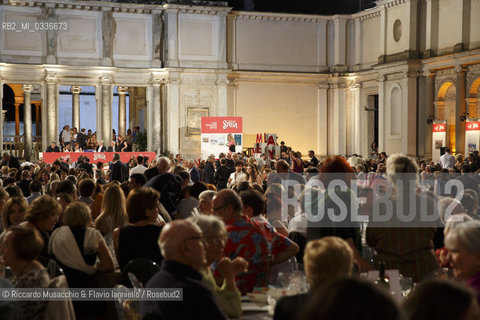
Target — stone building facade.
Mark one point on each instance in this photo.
(329, 83)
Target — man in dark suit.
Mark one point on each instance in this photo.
(82, 139)
(24, 183)
(210, 170)
(112, 147)
(101, 147)
(53, 148)
(184, 255)
(222, 174)
(10, 161)
(162, 166)
(118, 170)
(85, 165)
(194, 173)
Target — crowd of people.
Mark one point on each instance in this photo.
(219, 229)
(73, 141)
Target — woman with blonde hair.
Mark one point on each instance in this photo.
(114, 212)
(253, 175)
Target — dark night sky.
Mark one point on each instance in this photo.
(323, 7)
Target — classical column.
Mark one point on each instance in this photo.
(2, 121)
(27, 121)
(355, 128)
(52, 122)
(75, 90)
(132, 108)
(425, 130)
(154, 110)
(381, 113)
(122, 111)
(17, 118)
(172, 112)
(338, 130)
(107, 110)
(222, 95)
(322, 119)
(37, 119)
(460, 110)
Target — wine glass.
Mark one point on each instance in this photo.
(406, 284)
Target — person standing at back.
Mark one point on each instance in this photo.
(222, 174)
(447, 160)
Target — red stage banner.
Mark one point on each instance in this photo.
(221, 124)
(440, 127)
(50, 157)
(472, 126)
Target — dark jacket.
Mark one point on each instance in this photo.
(12, 163)
(197, 301)
(50, 149)
(169, 187)
(221, 177)
(209, 173)
(194, 174)
(119, 172)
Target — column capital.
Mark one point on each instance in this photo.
(106, 79)
(428, 73)
(355, 85)
(27, 88)
(381, 78)
(322, 85)
(460, 69)
(51, 79)
(75, 89)
(232, 84)
(122, 90)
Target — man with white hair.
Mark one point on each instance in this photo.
(183, 249)
(205, 201)
(162, 166)
(101, 147)
(194, 173)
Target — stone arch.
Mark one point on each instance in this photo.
(445, 109)
(472, 100)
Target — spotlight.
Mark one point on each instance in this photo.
(464, 116)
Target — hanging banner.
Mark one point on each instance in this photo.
(266, 143)
(105, 157)
(221, 135)
(472, 135)
(439, 138)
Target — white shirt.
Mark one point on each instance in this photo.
(236, 178)
(447, 161)
(138, 169)
(298, 224)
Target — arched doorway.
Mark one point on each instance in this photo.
(445, 110)
(473, 94)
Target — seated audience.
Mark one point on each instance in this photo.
(326, 259)
(21, 248)
(184, 251)
(215, 236)
(424, 302)
(42, 215)
(13, 212)
(351, 298)
(139, 238)
(463, 243)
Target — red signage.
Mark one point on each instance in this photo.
(222, 125)
(439, 127)
(50, 157)
(472, 126)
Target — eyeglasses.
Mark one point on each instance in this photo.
(193, 238)
(217, 240)
(219, 208)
